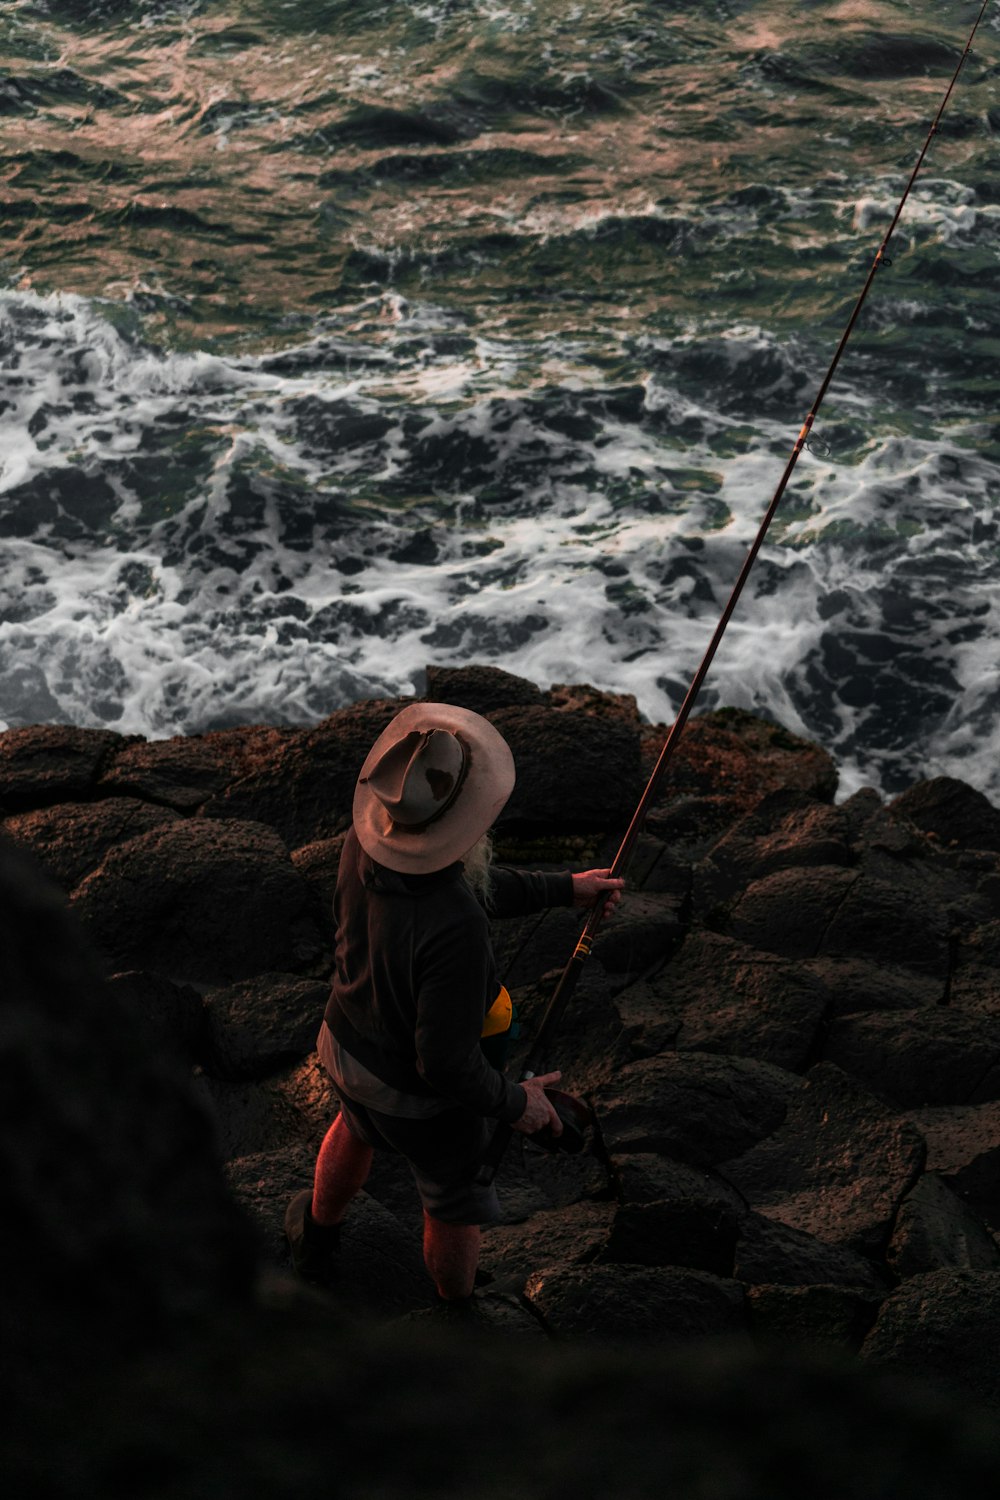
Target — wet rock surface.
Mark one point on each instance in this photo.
(788, 1038)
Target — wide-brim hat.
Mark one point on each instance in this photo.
(432, 784)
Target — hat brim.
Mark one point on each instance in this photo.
(488, 783)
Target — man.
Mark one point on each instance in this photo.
(415, 989)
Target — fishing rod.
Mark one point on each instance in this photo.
(571, 1111)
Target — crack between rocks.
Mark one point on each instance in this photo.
(835, 914)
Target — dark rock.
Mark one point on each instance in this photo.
(933, 1056)
(671, 1214)
(184, 771)
(838, 1167)
(174, 1012)
(303, 786)
(790, 911)
(936, 1231)
(261, 1024)
(690, 826)
(645, 1177)
(975, 979)
(300, 1393)
(47, 763)
(252, 1118)
(319, 863)
(733, 754)
(849, 985)
(693, 1106)
(675, 1233)
(733, 999)
(643, 930)
(826, 1316)
(566, 1237)
(945, 1327)
(951, 812)
(963, 1147)
(644, 1304)
(574, 771)
(649, 1019)
(829, 910)
(787, 829)
(70, 840)
(123, 1222)
(481, 689)
(200, 900)
(772, 1252)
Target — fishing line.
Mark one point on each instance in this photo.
(568, 979)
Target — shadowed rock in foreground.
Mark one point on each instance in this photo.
(781, 1233)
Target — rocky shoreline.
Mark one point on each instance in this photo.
(790, 1035)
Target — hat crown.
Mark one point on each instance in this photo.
(418, 778)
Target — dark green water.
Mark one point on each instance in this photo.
(342, 338)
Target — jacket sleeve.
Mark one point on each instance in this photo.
(455, 970)
(519, 893)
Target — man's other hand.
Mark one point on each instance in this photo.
(538, 1111)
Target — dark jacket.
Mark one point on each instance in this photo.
(415, 975)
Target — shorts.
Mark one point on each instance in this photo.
(444, 1154)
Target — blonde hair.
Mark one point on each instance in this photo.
(476, 865)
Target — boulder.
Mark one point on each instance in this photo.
(693, 1106)
(787, 829)
(829, 910)
(963, 1147)
(302, 785)
(770, 1252)
(936, 1231)
(259, 1025)
(481, 689)
(644, 930)
(200, 900)
(574, 772)
(918, 1057)
(836, 1317)
(647, 1305)
(674, 1232)
(566, 1237)
(849, 985)
(648, 1016)
(71, 839)
(174, 1013)
(47, 763)
(736, 1000)
(838, 1167)
(952, 813)
(731, 753)
(184, 771)
(124, 1225)
(319, 862)
(789, 912)
(945, 1327)
(975, 978)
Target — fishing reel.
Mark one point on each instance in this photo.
(577, 1118)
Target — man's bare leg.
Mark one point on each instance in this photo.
(342, 1168)
(451, 1255)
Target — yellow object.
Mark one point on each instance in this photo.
(499, 1015)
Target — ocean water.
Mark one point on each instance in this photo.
(337, 339)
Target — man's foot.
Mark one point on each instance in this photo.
(315, 1247)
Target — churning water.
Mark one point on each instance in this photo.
(340, 338)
